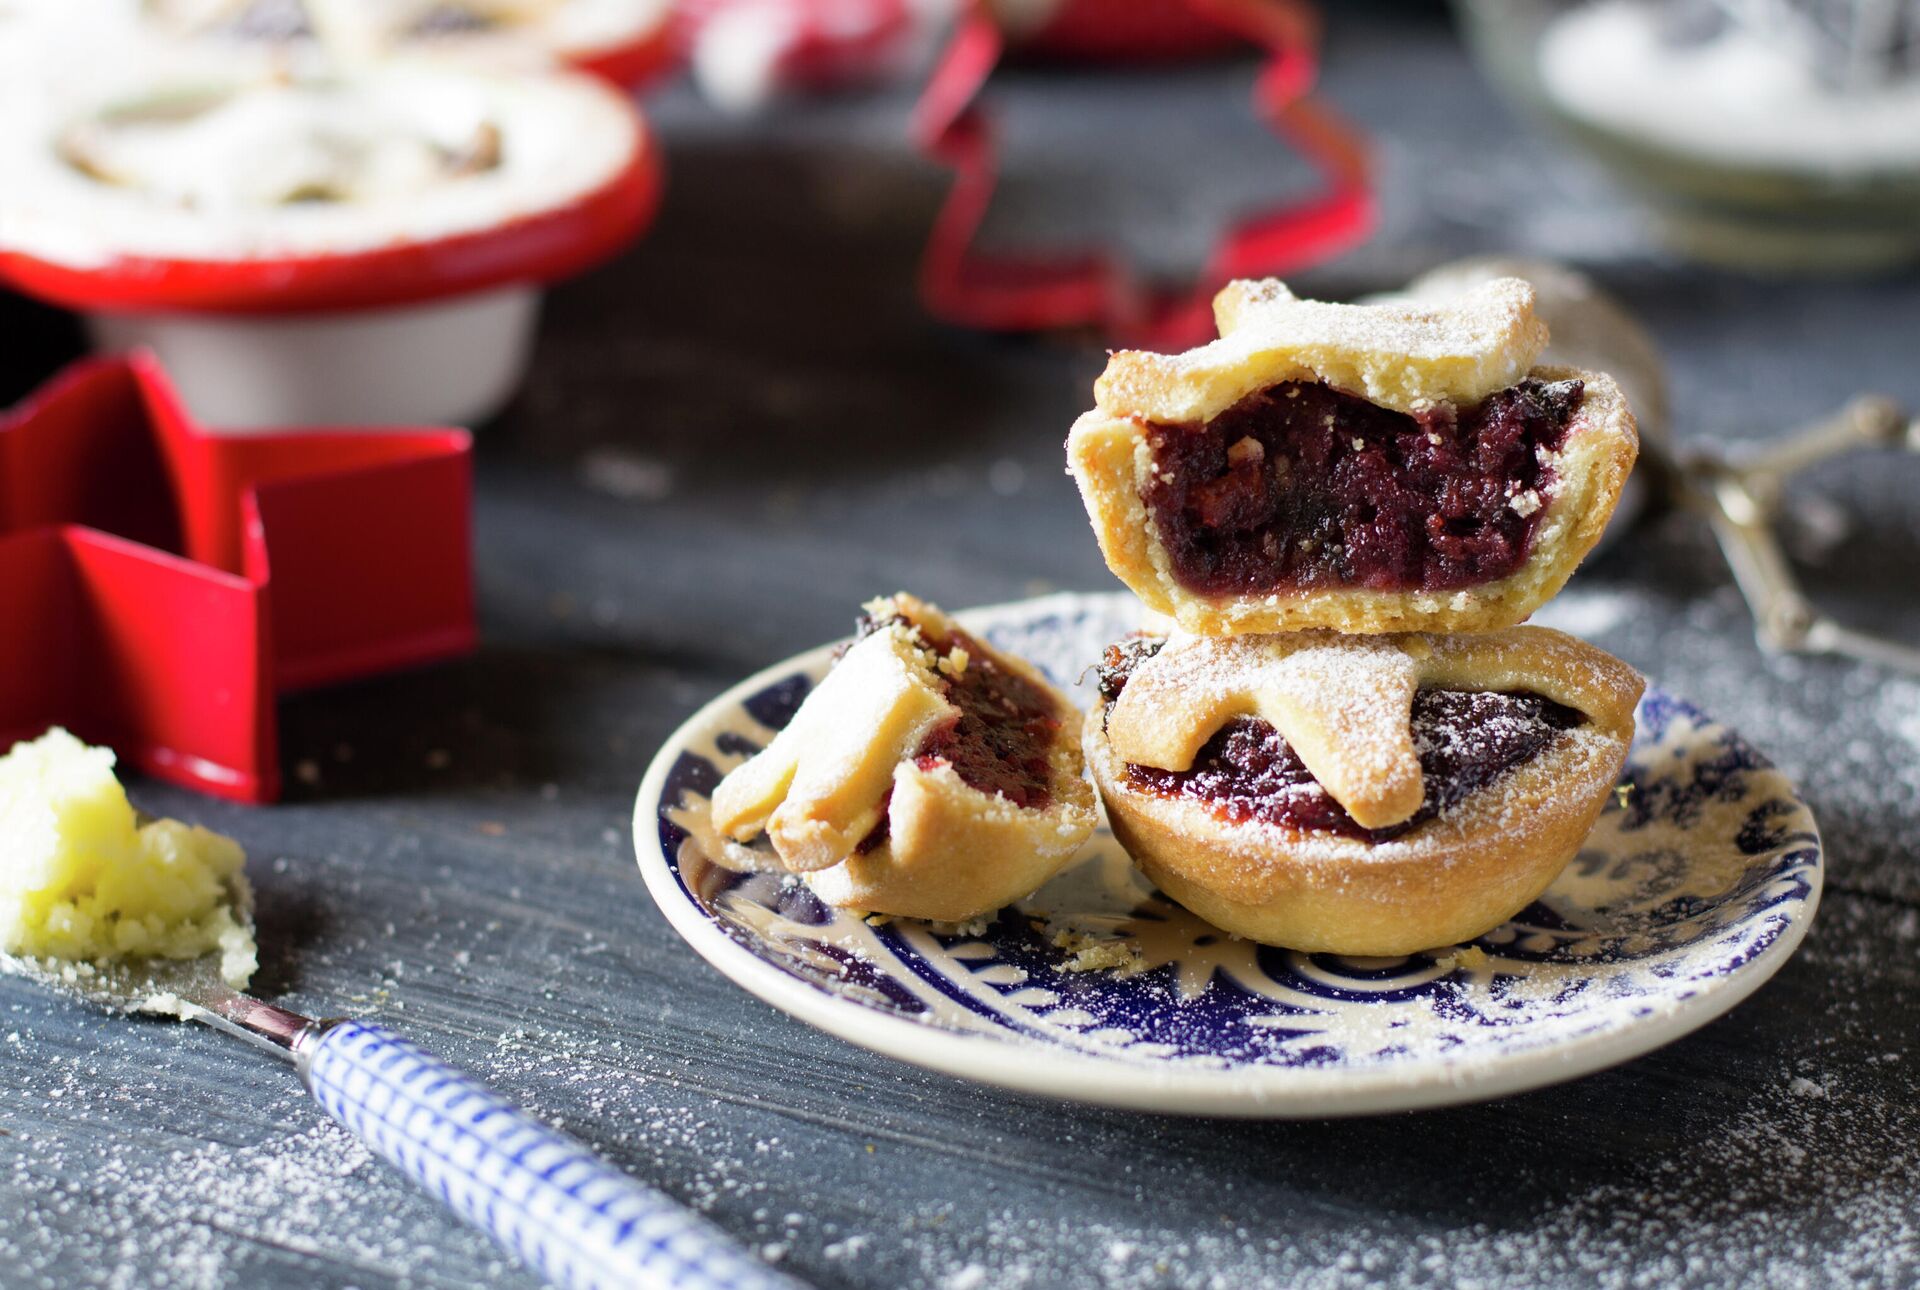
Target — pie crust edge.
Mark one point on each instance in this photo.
(1448, 880)
(1109, 456)
(952, 851)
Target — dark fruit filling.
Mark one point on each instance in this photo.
(1300, 487)
(1006, 727)
(1005, 730)
(877, 835)
(1117, 664)
(1466, 739)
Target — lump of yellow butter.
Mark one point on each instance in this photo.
(82, 879)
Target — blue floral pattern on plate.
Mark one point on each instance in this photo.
(1696, 883)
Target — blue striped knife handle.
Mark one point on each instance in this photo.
(539, 1193)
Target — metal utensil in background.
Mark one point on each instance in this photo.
(542, 1195)
(1741, 494)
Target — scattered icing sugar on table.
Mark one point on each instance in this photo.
(1596, 1236)
(1758, 1231)
(193, 1219)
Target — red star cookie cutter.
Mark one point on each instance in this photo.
(1005, 292)
(160, 585)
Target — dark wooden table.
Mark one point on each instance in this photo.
(731, 437)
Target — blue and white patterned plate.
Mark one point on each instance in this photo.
(1696, 885)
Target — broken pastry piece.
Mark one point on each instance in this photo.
(1359, 468)
(1368, 795)
(928, 775)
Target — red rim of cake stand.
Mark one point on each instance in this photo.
(538, 248)
(1003, 291)
(637, 62)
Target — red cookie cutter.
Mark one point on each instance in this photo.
(1006, 292)
(1123, 31)
(160, 585)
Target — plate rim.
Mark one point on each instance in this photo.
(1272, 1093)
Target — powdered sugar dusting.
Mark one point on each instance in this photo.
(1343, 703)
(562, 139)
(1700, 877)
(192, 1220)
(1901, 710)
(1729, 1206)
(1404, 356)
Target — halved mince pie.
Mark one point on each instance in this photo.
(928, 775)
(1365, 795)
(1361, 468)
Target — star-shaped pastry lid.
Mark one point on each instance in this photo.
(1345, 703)
(160, 585)
(1321, 465)
(1403, 356)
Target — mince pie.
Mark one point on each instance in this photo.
(1368, 795)
(928, 775)
(1361, 468)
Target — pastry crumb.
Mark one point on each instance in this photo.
(1096, 954)
(1464, 957)
(972, 927)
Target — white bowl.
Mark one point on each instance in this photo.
(445, 362)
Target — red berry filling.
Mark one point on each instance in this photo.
(1466, 739)
(1301, 486)
(1006, 727)
(1001, 739)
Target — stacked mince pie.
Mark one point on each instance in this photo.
(1344, 741)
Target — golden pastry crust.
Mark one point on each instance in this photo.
(1345, 703)
(1401, 357)
(1449, 878)
(851, 758)
(1407, 356)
